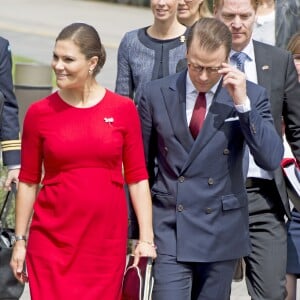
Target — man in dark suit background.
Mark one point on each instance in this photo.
(199, 198)
(287, 21)
(9, 127)
(273, 69)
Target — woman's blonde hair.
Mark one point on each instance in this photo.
(204, 11)
(294, 43)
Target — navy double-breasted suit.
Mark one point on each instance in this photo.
(199, 198)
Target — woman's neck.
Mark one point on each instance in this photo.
(265, 7)
(189, 21)
(85, 97)
(166, 30)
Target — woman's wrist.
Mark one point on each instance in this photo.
(150, 243)
(19, 238)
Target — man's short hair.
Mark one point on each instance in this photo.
(210, 34)
(218, 3)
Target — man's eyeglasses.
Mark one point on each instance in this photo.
(297, 58)
(200, 69)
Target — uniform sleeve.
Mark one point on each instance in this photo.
(10, 130)
(31, 154)
(133, 152)
(124, 81)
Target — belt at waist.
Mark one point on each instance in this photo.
(259, 183)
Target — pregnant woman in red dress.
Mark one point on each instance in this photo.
(79, 146)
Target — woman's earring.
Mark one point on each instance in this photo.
(90, 71)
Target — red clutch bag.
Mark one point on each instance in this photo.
(138, 280)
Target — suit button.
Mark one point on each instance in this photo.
(180, 207)
(210, 181)
(165, 152)
(208, 210)
(181, 179)
(226, 151)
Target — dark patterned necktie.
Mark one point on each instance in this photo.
(198, 115)
(240, 58)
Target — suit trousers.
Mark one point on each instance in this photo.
(266, 264)
(191, 280)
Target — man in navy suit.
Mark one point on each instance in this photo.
(9, 128)
(199, 197)
(274, 69)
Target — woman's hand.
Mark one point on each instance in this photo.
(144, 248)
(12, 177)
(17, 262)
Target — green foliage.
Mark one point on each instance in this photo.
(211, 3)
(11, 214)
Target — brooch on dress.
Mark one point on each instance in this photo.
(109, 120)
(182, 38)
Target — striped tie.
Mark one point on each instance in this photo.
(240, 58)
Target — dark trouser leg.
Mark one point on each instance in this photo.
(191, 281)
(266, 265)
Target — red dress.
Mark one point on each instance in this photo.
(77, 240)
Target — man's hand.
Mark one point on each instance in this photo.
(235, 82)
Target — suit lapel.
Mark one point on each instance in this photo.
(263, 62)
(174, 98)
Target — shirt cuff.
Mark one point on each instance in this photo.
(12, 167)
(243, 108)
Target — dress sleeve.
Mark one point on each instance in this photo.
(133, 152)
(124, 81)
(31, 152)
